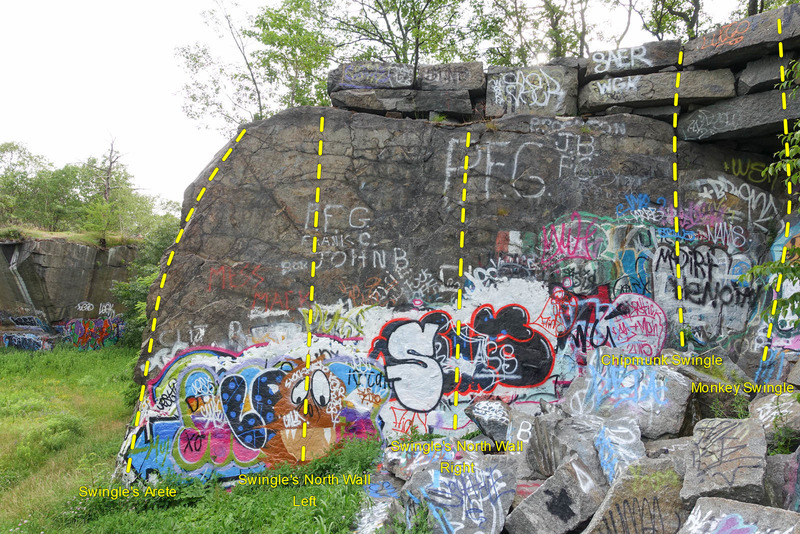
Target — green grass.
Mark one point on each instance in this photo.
(62, 419)
(83, 238)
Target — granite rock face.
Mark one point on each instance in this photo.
(58, 281)
(386, 353)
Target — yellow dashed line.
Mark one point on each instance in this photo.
(158, 297)
(788, 202)
(461, 274)
(675, 201)
(311, 286)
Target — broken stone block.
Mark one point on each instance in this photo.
(774, 494)
(656, 89)
(404, 100)
(544, 91)
(674, 449)
(746, 39)
(645, 498)
(618, 444)
(794, 375)
(725, 459)
(470, 503)
(452, 76)
(491, 416)
(776, 411)
(648, 57)
(791, 482)
(563, 502)
(715, 515)
(374, 516)
(370, 75)
(655, 396)
(761, 74)
(738, 118)
(520, 428)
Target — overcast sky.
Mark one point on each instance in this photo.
(77, 74)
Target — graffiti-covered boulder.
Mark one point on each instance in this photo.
(491, 416)
(725, 459)
(654, 396)
(465, 497)
(563, 502)
(645, 498)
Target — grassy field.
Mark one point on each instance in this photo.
(62, 419)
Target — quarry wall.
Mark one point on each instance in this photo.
(463, 236)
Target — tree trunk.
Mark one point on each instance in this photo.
(752, 7)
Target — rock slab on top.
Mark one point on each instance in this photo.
(370, 75)
(748, 115)
(648, 57)
(403, 100)
(746, 39)
(657, 89)
(761, 74)
(544, 91)
(452, 76)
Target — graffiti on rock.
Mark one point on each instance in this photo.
(91, 334)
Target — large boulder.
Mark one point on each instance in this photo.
(563, 502)
(656, 398)
(645, 498)
(474, 502)
(726, 459)
(777, 413)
